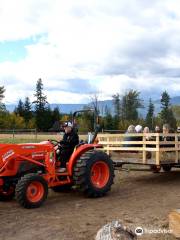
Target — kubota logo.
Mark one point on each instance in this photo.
(7, 155)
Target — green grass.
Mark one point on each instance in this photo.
(31, 138)
(15, 141)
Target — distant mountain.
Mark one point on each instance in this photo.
(68, 108)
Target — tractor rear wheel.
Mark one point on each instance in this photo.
(94, 173)
(31, 191)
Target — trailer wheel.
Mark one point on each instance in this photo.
(167, 168)
(7, 195)
(155, 168)
(31, 191)
(94, 173)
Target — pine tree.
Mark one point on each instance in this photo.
(40, 106)
(2, 105)
(150, 115)
(165, 102)
(19, 110)
(41, 99)
(56, 114)
(48, 122)
(27, 110)
(130, 104)
(117, 110)
(166, 113)
(108, 119)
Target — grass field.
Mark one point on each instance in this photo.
(27, 138)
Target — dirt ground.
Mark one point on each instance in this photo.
(138, 199)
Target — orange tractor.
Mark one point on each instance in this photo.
(28, 170)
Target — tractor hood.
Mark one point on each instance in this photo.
(6, 151)
(35, 151)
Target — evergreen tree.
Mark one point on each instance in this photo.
(47, 123)
(56, 114)
(40, 106)
(166, 113)
(2, 106)
(117, 110)
(150, 115)
(130, 104)
(108, 119)
(165, 102)
(27, 110)
(19, 110)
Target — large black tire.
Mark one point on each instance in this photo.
(83, 173)
(166, 168)
(7, 195)
(31, 191)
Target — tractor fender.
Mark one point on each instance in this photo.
(77, 153)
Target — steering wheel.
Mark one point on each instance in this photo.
(54, 142)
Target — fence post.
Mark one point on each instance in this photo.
(157, 150)
(108, 151)
(144, 149)
(177, 149)
(13, 134)
(35, 134)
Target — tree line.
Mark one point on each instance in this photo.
(28, 115)
(38, 114)
(126, 112)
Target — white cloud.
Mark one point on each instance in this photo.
(112, 45)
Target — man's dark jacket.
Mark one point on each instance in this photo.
(69, 141)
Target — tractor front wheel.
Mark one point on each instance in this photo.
(94, 173)
(31, 191)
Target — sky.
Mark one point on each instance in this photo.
(81, 48)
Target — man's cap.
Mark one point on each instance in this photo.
(67, 124)
(138, 128)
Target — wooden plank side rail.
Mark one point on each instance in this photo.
(151, 142)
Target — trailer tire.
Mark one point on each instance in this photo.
(94, 173)
(31, 191)
(167, 168)
(155, 169)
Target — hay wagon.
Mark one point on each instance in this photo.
(153, 149)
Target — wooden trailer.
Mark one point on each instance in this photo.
(153, 149)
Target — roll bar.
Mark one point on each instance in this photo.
(96, 121)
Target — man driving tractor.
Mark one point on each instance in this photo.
(67, 144)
